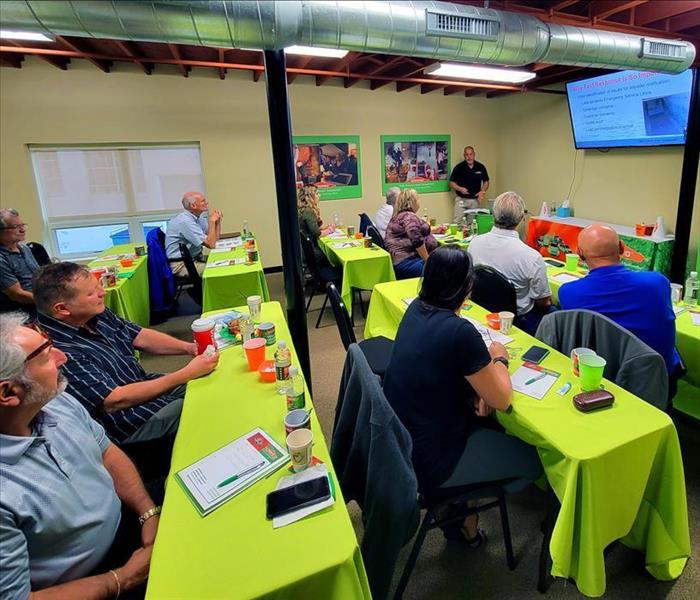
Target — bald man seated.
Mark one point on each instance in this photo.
(639, 301)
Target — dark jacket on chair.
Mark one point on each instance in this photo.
(371, 454)
(630, 363)
(160, 276)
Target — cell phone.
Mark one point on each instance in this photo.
(553, 263)
(535, 355)
(286, 500)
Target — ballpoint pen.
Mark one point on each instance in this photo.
(536, 378)
(233, 478)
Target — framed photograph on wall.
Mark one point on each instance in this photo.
(331, 163)
(421, 162)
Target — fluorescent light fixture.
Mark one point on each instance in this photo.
(460, 71)
(313, 51)
(31, 36)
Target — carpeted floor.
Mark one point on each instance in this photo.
(447, 570)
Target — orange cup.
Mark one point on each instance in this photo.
(267, 371)
(493, 320)
(254, 352)
(639, 229)
(98, 273)
(126, 262)
(359, 236)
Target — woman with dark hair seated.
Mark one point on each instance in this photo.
(442, 381)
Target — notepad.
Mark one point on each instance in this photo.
(488, 335)
(341, 245)
(537, 389)
(337, 234)
(226, 263)
(221, 475)
(110, 257)
(229, 243)
(565, 277)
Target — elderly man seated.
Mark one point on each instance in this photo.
(502, 249)
(62, 485)
(17, 264)
(103, 372)
(187, 228)
(639, 301)
(386, 211)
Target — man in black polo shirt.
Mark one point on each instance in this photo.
(469, 180)
(103, 372)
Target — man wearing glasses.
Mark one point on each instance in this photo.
(17, 264)
(71, 500)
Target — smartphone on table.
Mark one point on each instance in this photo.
(535, 355)
(301, 495)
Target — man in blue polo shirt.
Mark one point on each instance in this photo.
(639, 301)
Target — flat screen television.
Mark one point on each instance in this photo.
(630, 108)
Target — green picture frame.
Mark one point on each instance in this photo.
(409, 161)
(331, 162)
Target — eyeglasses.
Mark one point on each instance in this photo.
(47, 343)
(18, 226)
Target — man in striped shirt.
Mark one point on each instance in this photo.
(102, 370)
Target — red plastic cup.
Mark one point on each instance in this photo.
(203, 330)
(126, 262)
(254, 352)
(493, 320)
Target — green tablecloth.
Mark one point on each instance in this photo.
(225, 287)
(687, 334)
(457, 238)
(618, 473)
(234, 552)
(363, 268)
(129, 298)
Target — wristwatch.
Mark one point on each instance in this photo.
(151, 512)
(501, 359)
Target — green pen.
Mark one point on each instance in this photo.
(537, 378)
(233, 478)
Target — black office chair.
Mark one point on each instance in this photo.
(493, 291)
(376, 237)
(365, 222)
(193, 279)
(41, 256)
(377, 350)
(319, 276)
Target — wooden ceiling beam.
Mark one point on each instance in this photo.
(404, 85)
(426, 88)
(473, 92)
(184, 68)
(124, 47)
(102, 65)
(562, 5)
(12, 60)
(302, 64)
(257, 73)
(687, 21)
(222, 58)
(448, 90)
(656, 11)
(59, 63)
(601, 9)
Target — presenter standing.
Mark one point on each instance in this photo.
(469, 180)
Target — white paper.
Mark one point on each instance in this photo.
(341, 245)
(202, 479)
(677, 310)
(306, 475)
(565, 277)
(537, 389)
(695, 318)
(408, 301)
(219, 250)
(337, 234)
(225, 263)
(442, 236)
(487, 334)
(113, 257)
(229, 243)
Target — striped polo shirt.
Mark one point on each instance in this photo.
(100, 361)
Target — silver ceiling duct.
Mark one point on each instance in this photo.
(436, 30)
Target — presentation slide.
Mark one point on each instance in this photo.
(630, 108)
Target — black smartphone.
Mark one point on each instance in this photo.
(281, 502)
(553, 263)
(535, 355)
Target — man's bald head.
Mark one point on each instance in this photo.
(599, 245)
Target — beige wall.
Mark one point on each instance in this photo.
(524, 140)
(625, 186)
(40, 104)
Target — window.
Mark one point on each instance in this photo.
(96, 197)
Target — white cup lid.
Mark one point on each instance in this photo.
(203, 324)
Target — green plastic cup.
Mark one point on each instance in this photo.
(591, 369)
(484, 223)
(572, 262)
(454, 229)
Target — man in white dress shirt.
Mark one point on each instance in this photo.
(386, 210)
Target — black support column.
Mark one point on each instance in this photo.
(686, 195)
(283, 162)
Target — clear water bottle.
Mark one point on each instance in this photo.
(336, 219)
(283, 360)
(246, 231)
(247, 327)
(295, 390)
(692, 285)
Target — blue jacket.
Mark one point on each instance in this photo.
(161, 283)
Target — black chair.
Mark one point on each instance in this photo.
(493, 291)
(376, 237)
(41, 256)
(319, 276)
(377, 350)
(193, 278)
(365, 222)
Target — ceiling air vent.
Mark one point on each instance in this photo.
(664, 49)
(460, 26)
